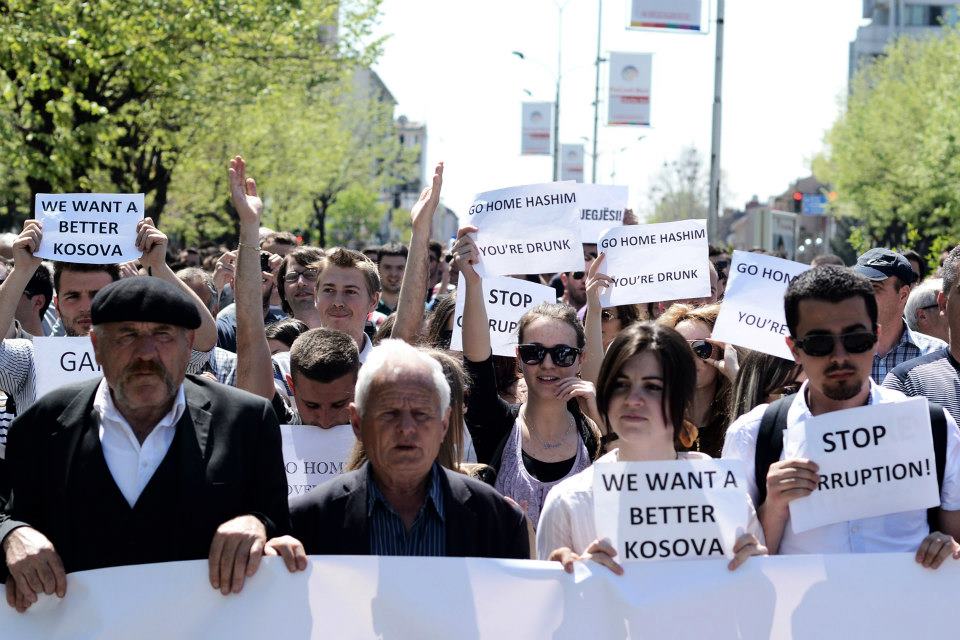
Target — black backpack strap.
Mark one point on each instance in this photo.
(770, 441)
(938, 427)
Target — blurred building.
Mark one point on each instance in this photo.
(890, 19)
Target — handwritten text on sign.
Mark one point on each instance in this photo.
(312, 456)
(674, 510)
(60, 361)
(752, 313)
(874, 460)
(653, 262)
(601, 207)
(506, 300)
(531, 229)
(91, 228)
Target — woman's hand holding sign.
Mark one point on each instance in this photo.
(466, 254)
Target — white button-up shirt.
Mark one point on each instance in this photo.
(133, 464)
(891, 533)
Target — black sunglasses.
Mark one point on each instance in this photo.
(578, 275)
(785, 390)
(608, 315)
(823, 344)
(562, 355)
(703, 349)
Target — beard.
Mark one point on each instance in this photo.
(842, 389)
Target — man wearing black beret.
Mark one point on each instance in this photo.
(144, 465)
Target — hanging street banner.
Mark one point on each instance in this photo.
(629, 89)
(571, 162)
(601, 208)
(874, 461)
(506, 300)
(656, 262)
(672, 510)
(63, 360)
(536, 129)
(668, 15)
(89, 228)
(751, 314)
(828, 597)
(529, 229)
(312, 455)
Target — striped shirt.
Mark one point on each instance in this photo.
(935, 375)
(912, 344)
(388, 536)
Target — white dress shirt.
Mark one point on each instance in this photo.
(133, 464)
(897, 532)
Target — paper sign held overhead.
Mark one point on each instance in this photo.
(874, 461)
(529, 229)
(59, 361)
(673, 510)
(601, 208)
(506, 300)
(751, 314)
(312, 456)
(89, 228)
(656, 262)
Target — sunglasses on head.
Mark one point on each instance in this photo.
(703, 349)
(562, 355)
(823, 344)
(608, 315)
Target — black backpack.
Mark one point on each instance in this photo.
(770, 446)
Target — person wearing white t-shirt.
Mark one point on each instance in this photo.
(831, 315)
(645, 388)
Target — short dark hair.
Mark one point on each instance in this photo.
(286, 331)
(324, 355)
(828, 283)
(391, 249)
(41, 284)
(825, 259)
(303, 256)
(436, 249)
(113, 270)
(910, 254)
(679, 372)
(350, 259)
(279, 237)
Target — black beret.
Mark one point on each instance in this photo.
(144, 299)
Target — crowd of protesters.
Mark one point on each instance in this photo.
(175, 452)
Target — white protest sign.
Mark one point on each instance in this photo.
(601, 207)
(874, 461)
(505, 299)
(673, 510)
(536, 128)
(666, 14)
(91, 228)
(751, 314)
(312, 456)
(60, 361)
(629, 99)
(653, 262)
(528, 229)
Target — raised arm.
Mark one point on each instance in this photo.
(413, 289)
(24, 264)
(593, 322)
(476, 330)
(254, 368)
(153, 243)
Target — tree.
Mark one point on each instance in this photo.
(894, 154)
(680, 189)
(107, 95)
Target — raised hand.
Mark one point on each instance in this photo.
(466, 254)
(243, 192)
(596, 282)
(225, 270)
(153, 243)
(426, 205)
(26, 244)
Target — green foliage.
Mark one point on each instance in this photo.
(113, 96)
(355, 214)
(894, 155)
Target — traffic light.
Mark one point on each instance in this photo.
(797, 202)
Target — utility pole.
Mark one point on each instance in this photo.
(596, 92)
(713, 210)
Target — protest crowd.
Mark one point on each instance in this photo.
(471, 408)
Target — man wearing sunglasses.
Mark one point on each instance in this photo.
(831, 314)
(891, 275)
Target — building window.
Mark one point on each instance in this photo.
(922, 15)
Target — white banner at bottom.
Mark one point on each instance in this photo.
(829, 596)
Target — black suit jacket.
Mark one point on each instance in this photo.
(225, 461)
(332, 519)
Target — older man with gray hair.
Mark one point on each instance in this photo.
(922, 312)
(402, 502)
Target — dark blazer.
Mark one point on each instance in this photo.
(225, 461)
(332, 519)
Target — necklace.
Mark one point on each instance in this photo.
(550, 445)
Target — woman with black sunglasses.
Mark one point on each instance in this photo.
(763, 378)
(646, 386)
(536, 444)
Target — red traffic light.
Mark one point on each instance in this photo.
(797, 196)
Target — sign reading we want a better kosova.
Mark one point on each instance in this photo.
(89, 228)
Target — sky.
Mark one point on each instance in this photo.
(449, 64)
